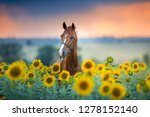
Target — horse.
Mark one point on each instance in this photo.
(68, 50)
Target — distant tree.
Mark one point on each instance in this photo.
(146, 58)
(48, 54)
(135, 60)
(10, 52)
(28, 42)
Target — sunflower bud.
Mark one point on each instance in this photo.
(142, 82)
(130, 73)
(128, 79)
(110, 60)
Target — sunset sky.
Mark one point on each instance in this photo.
(93, 18)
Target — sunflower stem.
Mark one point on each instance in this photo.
(13, 84)
(110, 66)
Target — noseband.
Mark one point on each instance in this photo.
(68, 46)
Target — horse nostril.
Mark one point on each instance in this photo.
(63, 52)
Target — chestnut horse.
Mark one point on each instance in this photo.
(68, 49)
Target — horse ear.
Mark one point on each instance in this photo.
(64, 25)
(73, 26)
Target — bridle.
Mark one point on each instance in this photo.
(72, 39)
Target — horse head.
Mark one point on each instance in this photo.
(68, 40)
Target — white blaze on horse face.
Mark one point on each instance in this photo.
(61, 48)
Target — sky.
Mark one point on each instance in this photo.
(92, 18)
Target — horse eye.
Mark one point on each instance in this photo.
(71, 37)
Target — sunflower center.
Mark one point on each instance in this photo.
(49, 80)
(116, 74)
(100, 68)
(36, 63)
(15, 71)
(148, 78)
(116, 92)
(127, 64)
(90, 73)
(106, 77)
(64, 76)
(1, 69)
(135, 66)
(55, 68)
(105, 89)
(83, 85)
(88, 65)
(2, 73)
(142, 65)
(31, 75)
(125, 68)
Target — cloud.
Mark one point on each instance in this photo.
(121, 20)
(113, 20)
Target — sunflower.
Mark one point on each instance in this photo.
(78, 75)
(127, 63)
(2, 97)
(2, 64)
(138, 87)
(1, 74)
(1, 71)
(55, 68)
(49, 69)
(116, 74)
(36, 64)
(111, 80)
(90, 73)
(148, 80)
(42, 68)
(142, 66)
(120, 66)
(125, 68)
(83, 86)
(100, 67)
(49, 81)
(142, 82)
(31, 74)
(22, 63)
(104, 89)
(16, 71)
(64, 75)
(135, 67)
(117, 91)
(88, 65)
(106, 75)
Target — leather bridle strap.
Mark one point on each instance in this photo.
(67, 46)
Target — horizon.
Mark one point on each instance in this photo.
(57, 38)
(97, 19)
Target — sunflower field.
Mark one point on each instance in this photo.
(97, 81)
